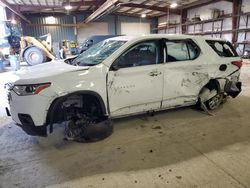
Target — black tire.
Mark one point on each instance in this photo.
(34, 56)
(92, 133)
(214, 102)
(98, 131)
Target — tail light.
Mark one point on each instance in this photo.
(237, 63)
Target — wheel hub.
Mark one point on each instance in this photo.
(215, 102)
(34, 56)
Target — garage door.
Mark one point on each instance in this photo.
(96, 28)
(135, 28)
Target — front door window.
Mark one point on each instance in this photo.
(144, 53)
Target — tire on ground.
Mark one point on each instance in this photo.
(214, 102)
(34, 56)
(98, 131)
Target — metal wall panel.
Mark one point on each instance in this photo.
(58, 33)
(95, 28)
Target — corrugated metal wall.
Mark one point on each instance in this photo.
(58, 33)
(115, 22)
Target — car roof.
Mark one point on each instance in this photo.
(169, 36)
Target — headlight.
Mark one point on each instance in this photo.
(32, 89)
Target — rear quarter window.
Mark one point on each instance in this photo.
(222, 48)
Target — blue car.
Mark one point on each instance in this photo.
(93, 40)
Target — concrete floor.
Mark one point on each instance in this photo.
(176, 148)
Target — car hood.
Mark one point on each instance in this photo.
(49, 69)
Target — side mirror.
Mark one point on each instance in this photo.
(114, 67)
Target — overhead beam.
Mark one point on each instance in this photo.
(149, 7)
(58, 25)
(152, 11)
(5, 3)
(82, 3)
(201, 3)
(26, 8)
(55, 13)
(106, 8)
(40, 7)
(144, 2)
(130, 15)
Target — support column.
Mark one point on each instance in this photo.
(116, 24)
(183, 21)
(235, 20)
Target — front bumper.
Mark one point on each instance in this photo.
(34, 105)
(34, 131)
(29, 112)
(29, 127)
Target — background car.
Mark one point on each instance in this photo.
(93, 40)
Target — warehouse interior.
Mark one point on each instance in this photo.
(227, 19)
(179, 147)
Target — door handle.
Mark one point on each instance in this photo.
(154, 73)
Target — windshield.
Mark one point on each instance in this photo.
(97, 53)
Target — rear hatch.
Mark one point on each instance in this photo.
(228, 65)
(228, 59)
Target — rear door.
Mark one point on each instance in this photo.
(185, 73)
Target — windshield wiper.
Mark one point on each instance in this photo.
(70, 60)
(85, 64)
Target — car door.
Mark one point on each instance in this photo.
(135, 80)
(185, 73)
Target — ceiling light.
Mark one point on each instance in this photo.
(13, 21)
(68, 7)
(143, 15)
(173, 5)
(50, 20)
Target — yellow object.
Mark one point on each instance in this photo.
(44, 45)
(72, 44)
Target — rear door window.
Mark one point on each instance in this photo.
(181, 50)
(222, 48)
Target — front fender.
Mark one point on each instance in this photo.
(55, 110)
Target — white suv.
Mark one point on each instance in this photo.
(123, 76)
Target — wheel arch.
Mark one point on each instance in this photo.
(213, 83)
(55, 106)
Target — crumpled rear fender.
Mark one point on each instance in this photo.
(220, 85)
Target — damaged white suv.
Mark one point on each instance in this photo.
(122, 76)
